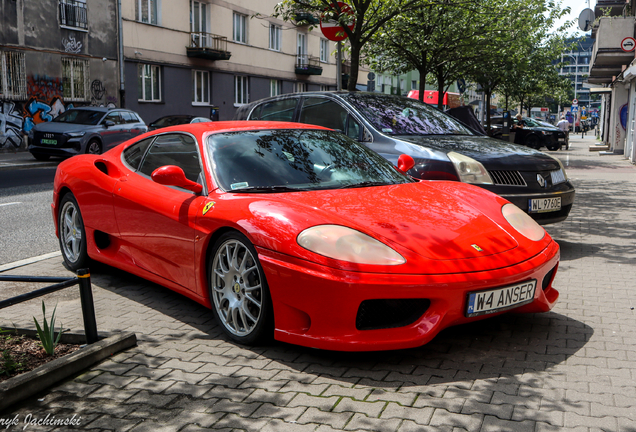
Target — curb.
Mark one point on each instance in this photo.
(27, 384)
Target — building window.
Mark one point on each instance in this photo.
(324, 50)
(275, 87)
(324, 87)
(149, 79)
(146, 11)
(75, 79)
(301, 49)
(413, 85)
(240, 28)
(198, 17)
(12, 75)
(300, 87)
(241, 90)
(73, 13)
(201, 87)
(275, 37)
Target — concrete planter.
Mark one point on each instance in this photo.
(28, 384)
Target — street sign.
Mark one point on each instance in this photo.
(332, 29)
(628, 44)
(575, 101)
(575, 108)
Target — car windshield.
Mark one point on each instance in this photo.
(292, 160)
(393, 115)
(531, 122)
(85, 117)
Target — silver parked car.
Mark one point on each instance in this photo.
(84, 130)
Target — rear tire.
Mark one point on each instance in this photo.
(72, 234)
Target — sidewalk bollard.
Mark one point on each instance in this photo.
(88, 307)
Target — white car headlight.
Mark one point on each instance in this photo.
(469, 170)
(523, 223)
(560, 164)
(75, 134)
(346, 244)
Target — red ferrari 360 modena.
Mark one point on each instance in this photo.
(297, 231)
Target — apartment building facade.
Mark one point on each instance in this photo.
(208, 57)
(54, 55)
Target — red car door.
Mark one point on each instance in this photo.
(157, 221)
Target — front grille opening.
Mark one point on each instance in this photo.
(102, 240)
(548, 278)
(507, 178)
(390, 313)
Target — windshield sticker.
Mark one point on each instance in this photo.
(387, 130)
(208, 206)
(241, 185)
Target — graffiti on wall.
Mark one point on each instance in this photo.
(10, 125)
(44, 87)
(71, 45)
(40, 112)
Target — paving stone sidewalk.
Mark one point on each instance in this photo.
(572, 369)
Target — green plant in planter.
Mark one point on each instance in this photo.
(7, 364)
(47, 334)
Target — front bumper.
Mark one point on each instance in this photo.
(522, 201)
(54, 151)
(318, 307)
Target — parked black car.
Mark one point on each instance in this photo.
(534, 134)
(173, 120)
(84, 130)
(442, 147)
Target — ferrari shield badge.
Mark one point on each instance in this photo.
(477, 248)
(208, 206)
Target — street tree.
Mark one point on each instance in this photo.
(370, 16)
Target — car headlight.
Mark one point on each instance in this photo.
(75, 134)
(565, 174)
(469, 170)
(523, 223)
(346, 244)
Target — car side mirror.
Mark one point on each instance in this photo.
(172, 175)
(108, 123)
(405, 163)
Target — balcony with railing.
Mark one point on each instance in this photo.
(208, 46)
(73, 14)
(308, 65)
(612, 49)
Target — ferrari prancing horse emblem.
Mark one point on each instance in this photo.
(208, 206)
(477, 248)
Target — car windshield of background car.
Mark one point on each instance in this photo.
(403, 116)
(171, 121)
(85, 117)
(292, 160)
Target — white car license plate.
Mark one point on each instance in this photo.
(501, 299)
(48, 141)
(542, 205)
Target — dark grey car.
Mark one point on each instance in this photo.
(84, 130)
(443, 148)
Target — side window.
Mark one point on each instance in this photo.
(114, 117)
(282, 110)
(134, 153)
(128, 117)
(323, 112)
(173, 149)
(353, 128)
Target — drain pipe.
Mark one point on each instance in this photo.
(122, 89)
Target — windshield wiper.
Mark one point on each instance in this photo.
(269, 189)
(366, 184)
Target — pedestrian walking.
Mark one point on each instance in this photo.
(564, 125)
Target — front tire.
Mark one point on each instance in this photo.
(533, 142)
(238, 290)
(93, 147)
(72, 233)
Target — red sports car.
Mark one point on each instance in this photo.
(299, 232)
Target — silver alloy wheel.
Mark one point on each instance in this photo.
(93, 148)
(71, 231)
(237, 288)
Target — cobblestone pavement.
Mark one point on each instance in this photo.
(572, 369)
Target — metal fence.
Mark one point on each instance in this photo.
(83, 279)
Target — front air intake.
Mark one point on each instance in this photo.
(390, 313)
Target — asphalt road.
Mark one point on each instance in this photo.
(26, 227)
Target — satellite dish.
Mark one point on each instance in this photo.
(586, 18)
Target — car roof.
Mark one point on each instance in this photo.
(95, 108)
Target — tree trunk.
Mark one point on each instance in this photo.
(488, 97)
(355, 61)
(440, 87)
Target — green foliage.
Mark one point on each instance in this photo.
(47, 333)
(7, 364)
